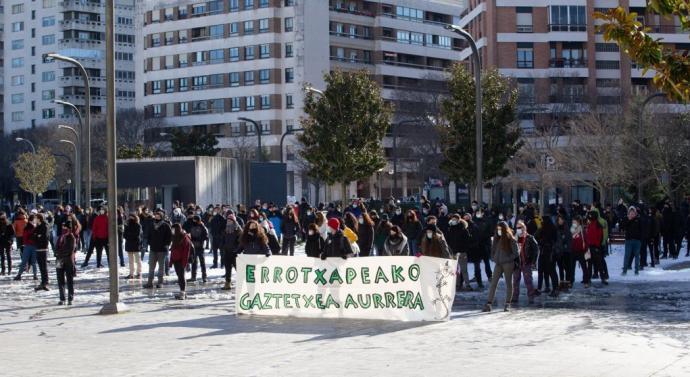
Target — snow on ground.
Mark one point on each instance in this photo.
(636, 326)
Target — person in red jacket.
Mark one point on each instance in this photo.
(99, 237)
(579, 247)
(179, 257)
(594, 236)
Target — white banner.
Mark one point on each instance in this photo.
(390, 288)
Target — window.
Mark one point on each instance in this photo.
(183, 60)
(215, 6)
(265, 127)
(217, 106)
(523, 20)
(17, 116)
(48, 21)
(184, 84)
(234, 29)
(18, 98)
(198, 9)
(200, 106)
(17, 44)
(265, 102)
(17, 62)
(608, 83)
(288, 101)
(288, 50)
(263, 25)
(157, 110)
(249, 78)
(48, 95)
(156, 87)
(606, 47)
(264, 51)
(409, 13)
(216, 56)
(264, 76)
(17, 8)
(235, 104)
(48, 39)
(184, 108)
(525, 55)
(18, 26)
(198, 58)
(48, 113)
(248, 4)
(403, 36)
(289, 24)
(216, 80)
(182, 11)
(234, 54)
(234, 79)
(525, 90)
(567, 18)
(18, 80)
(417, 38)
(289, 3)
(169, 86)
(607, 64)
(182, 36)
(48, 76)
(234, 5)
(249, 53)
(249, 103)
(168, 15)
(199, 82)
(155, 40)
(248, 27)
(217, 31)
(263, 3)
(289, 75)
(169, 38)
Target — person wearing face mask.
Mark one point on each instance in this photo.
(474, 206)
(547, 259)
(562, 248)
(99, 238)
(160, 237)
(365, 234)
(413, 231)
(199, 235)
(529, 252)
(41, 237)
(177, 217)
(315, 243)
(504, 252)
(354, 209)
(459, 241)
(132, 236)
(633, 240)
(434, 244)
(254, 240)
(578, 245)
(381, 234)
(6, 239)
(230, 242)
(290, 228)
(146, 221)
(65, 268)
(594, 235)
(29, 254)
(337, 245)
(217, 225)
(180, 251)
(398, 219)
(474, 251)
(396, 244)
(485, 232)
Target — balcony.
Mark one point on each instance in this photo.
(350, 36)
(666, 29)
(352, 11)
(566, 98)
(567, 27)
(524, 28)
(567, 63)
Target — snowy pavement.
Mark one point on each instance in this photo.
(636, 326)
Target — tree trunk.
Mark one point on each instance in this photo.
(343, 194)
(515, 198)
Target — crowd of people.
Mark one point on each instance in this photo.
(554, 243)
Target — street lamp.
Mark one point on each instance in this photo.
(310, 88)
(87, 99)
(259, 155)
(20, 139)
(639, 131)
(114, 305)
(76, 167)
(478, 105)
(282, 140)
(77, 163)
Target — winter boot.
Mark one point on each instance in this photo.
(506, 307)
(181, 296)
(554, 293)
(487, 308)
(227, 286)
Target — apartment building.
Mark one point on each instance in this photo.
(207, 64)
(73, 28)
(561, 64)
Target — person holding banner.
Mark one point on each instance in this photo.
(254, 240)
(315, 243)
(504, 252)
(337, 245)
(434, 243)
(397, 244)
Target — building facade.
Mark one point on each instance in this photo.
(73, 28)
(205, 65)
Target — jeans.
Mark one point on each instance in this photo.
(87, 240)
(288, 243)
(133, 257)
(462, 268)
(6, 253)
(632, 250)
(198, 259)
(156, 258)
(65, 275)
(214, 250)
(28, 256)
(524, 271)
(42, 257)
(179, 270)
(506, 270)
(144, 247)
(120, 252)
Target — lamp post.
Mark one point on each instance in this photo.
(114, 306)
(76, 167)
(77, 163)
(639, 131)
(259, 155)
(394, 133)
(282, 140)
(33, 150)
(478, 105)
(87, 134)
(20, 139)
(78, 180)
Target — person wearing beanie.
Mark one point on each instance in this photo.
(216, 227)
(337, 245)
(633, 240)
(433, 243)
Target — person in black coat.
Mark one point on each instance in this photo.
(668, 228)
(633, 240)
(254, 240)
(645, 248)
(146, 222)
(217, 228)
(337, 245)
(41, 238)
(486, 231)
(365, 235)
(160, 238)
(315, 243)
(229, 241)
(458, 238)
(563, 252)
(132, 235)
(474, 252)
(546, 267)
(6, 239)
(290, 229)
(65, 268)
(199, 235)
